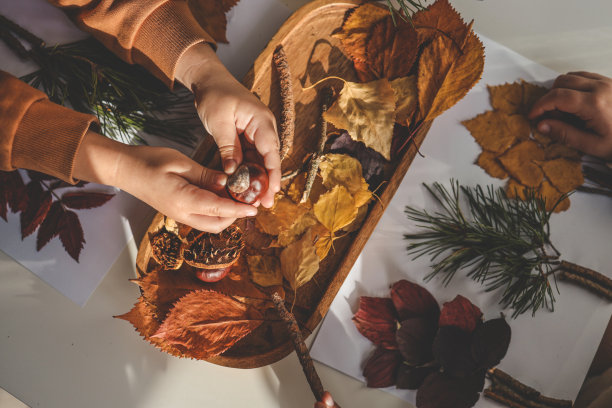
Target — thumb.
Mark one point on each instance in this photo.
(205, 178)
(570, 135)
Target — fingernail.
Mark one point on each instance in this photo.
(230, 166)
(251, 212)
(544, 127)
(221, 180)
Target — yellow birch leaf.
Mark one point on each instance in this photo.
(565, 175)
(405, 89)
(336, 209)
(265, 270)
(300, 225)
(367, 112)
(299, 262)
(280, 217)
(345, 170)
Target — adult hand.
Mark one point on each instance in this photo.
(326, 402)
(588, 97)
(162, 177)
(227, 110)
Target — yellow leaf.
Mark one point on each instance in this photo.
(336, 209)
(405, 89)
(265, 270)
(280, 217)
(565, 175)
(299, 262)
(300, 225)
(345, 170)
(367, 112)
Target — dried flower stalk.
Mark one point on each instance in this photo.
(287, 114)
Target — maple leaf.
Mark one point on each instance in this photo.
(405, 89)
(71, 234)
(39, 203)
(367, 112)
(265, 270)
(495, 131)
(80, 200)
(211, 16)
(336, 209)
(14, 191)
(205, 323)
(376, 320)
(299, 261)
(344, 170)
(50, 226)
(447, 72)
(461, 313)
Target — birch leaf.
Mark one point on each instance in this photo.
(405, 89)
(265, 270)
(336, 209)
(299, 262)
(344, 170)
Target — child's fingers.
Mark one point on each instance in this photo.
(565, 100)
(577, 82)
(226, 137)
(572, 136)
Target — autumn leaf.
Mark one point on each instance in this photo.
(490, 342)
(344, 170)
(211, 16)
(412, 300)
(515, 98)
(80, 200)
(440, 390)
(488, 161)
(461, 313)
(205, 323)
(440, 18)
(376, 320)
(14, 190)
(405, 89)
(299, 262)
(552, 196)
(280, 217)
(566, 175)
(452, 350)
(496, 132)
(71, 234)
(336, 209)
(372, 162)
(50, 226)
(39, 203)
(414, 339)
(301, 224)
(265, 270)
(521, 163)
(447, 72)
(367, 112)
(381, 369)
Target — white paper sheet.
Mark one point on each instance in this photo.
(551, 351)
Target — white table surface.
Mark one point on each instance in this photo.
(54, 353)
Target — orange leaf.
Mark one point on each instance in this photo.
(565, 175)
(211, 16)
(206, 323)
(440, 19)
(520, 162)
(496, 132)
(488, 161)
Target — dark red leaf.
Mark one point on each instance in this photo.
(415, 338)
(490, 342)
(443, 391)
(38, 176)
(460, 313)
(14, 190)
(80, 200)
(71, 234)
(412, 300)
(411, 378)
(39, 203)
(452, 348)
(50, 226)
(381, 369)
(376, 320)
(372, 162)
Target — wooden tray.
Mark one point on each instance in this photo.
(313, 53)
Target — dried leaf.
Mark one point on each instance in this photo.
(488, 161)
(414, 339)
(71, 234)
(411, 378)
(39, 203)
(50, 226)
(289, 236)
(80, 200)
(344, 170)
(462, 313)
(566, 175)
(496, 132)
(336, 209)
(557, 150)
(440, 19)
(490, 342)
(452, 349)
(447, 72)
(265, 270)
(280, 217)
(412, 300)
(521, 163)
(405, 89)
(391, 48)
(376, 320)
(211, 16)
(381, 369)
(372, 162)
(367, 112)
(205, 323)
(551, 196)
(324, 240)
(440, 390)
(299, 262)
(14, 190)
(516, 97)
(514, 189)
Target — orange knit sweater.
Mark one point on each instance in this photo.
(40, 135)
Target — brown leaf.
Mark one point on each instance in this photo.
(405, 89)
(280, 217)
(447, 72)
(414, 339)
(381, 369)
(50, 226)
(556, 150)
(551, 196)
(299, 262)
(376, 320)
(265, 270)
(80, 200)
(367, 112)
(440, 19)
(39, 203)
(488, 161)
(462, 313)
(412, 300)
(496, 132)
(391, 48)
(211, 16)
(205, 323)
(521, 163)
(71, 234)
(490, 342)
(440, 390)
(452, 349)
(515, 98)
(564, 174)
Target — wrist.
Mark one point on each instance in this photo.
(196, 63)
(99, 160)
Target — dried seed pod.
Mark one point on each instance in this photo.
(166, 249)
(213, 254)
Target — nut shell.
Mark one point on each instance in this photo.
(213, 251)
(166, 249)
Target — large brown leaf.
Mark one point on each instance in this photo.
(39, 203)
(71, 234)
(299, 261)
(211, 16)
(205, 323)
(80, 200)
(440, 19)
(447, 72)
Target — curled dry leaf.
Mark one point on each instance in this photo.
(376, 320)
(412, 300)
(490, 342)
(372, 162)
(265, 270)
(461, 313)
(381, 369)
(299, 262)
(205, 323)
(414, 338)
(443, 391)
(280, 217)
(344, 170)
(367, 112)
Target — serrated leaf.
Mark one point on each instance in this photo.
(71, 234)
(376, 320)
(381, 368)
(336, 209)
(265, 270)
(81, 200)
(299, 262)
(412, 300)
(50, 226)
(367, 112)
(461, 313)
(39, 203)
(14, 190)
(440, 18)
(490, 342)
(205, 323)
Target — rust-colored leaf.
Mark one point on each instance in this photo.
(211, 16)
(566, 175)
(80, 200)
(50, 226)
(488, 161)
(391, 48)
(462, 313)
(496, 132)
(39, 203)
(14, 190)
(381, 369)
(376, 320)
(412, 300)
(452, 349)
(490, 342)
(441, 390)
(299, 262)
(521, 162)
(414, 339)
(205, 323)
(440, 19)
(71, 234)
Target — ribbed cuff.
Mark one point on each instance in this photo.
(164, 36)
(48, 139)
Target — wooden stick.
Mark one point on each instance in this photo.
(300, 347)
(287, 114)
(488, 393)
(586, 283)
(498, 375)
(587, 273)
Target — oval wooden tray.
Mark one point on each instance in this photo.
(313, 53)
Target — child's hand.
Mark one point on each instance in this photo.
(588, 97)
(227, 110)
(326, 402)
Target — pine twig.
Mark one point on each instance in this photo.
(508, 390)
(488, 393)
(287, 115)
(300, 347)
